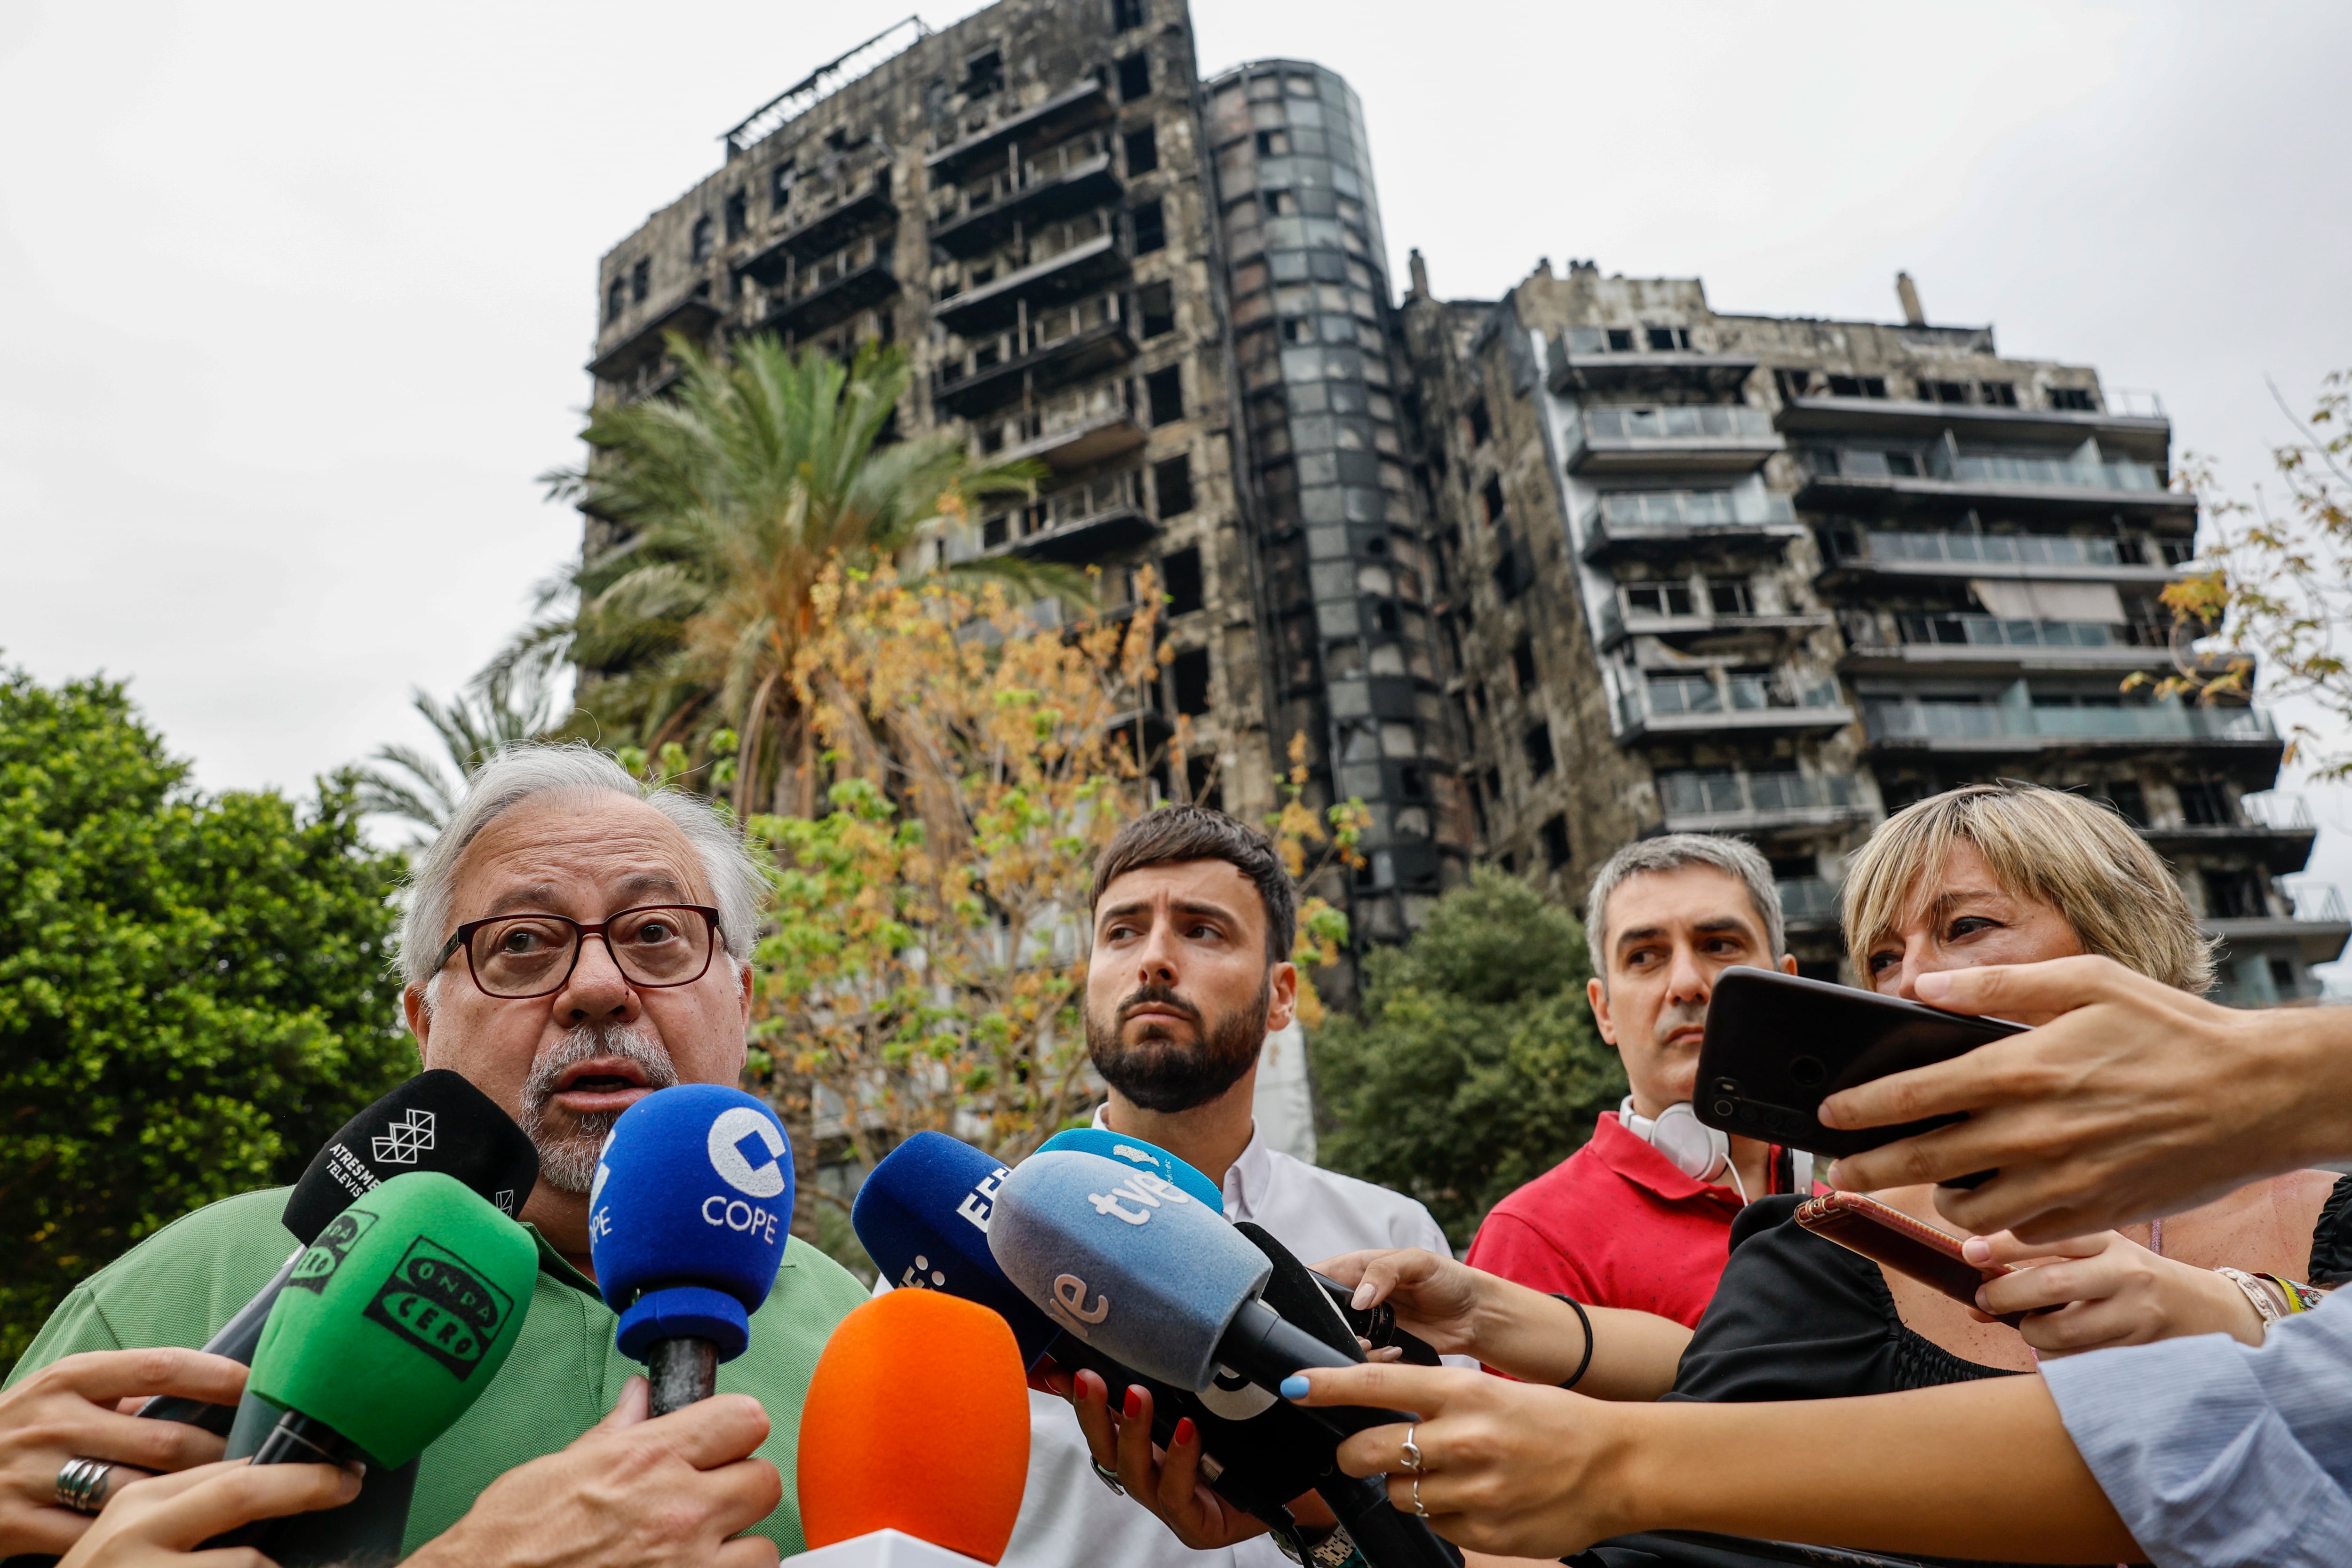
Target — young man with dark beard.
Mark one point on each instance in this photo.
(1194, 918)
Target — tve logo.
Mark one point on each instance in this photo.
(1143, 1188)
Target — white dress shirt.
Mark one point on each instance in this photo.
(1069, 1518)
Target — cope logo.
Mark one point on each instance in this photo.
(441, 1304)
(317, 1265)
(747, 1150)
(405, 1141)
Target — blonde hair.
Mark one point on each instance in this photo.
(2079, 856)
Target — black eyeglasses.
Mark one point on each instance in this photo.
(515, 956)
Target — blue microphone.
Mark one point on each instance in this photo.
(1145, 1156)
(686, 1223)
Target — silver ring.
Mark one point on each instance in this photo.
(83, 1485)
(1107, 1478)
(1412, 1450)
(1417, 1508)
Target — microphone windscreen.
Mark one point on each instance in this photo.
(435, 1122)
(923, 1214)
(916, 1419)
(1297, 1296)
(689, 1214)
(1130, 1264)
(1145, 1156)
(398, 1316)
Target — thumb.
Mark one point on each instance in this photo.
(634, 1406)
(2002, 1247)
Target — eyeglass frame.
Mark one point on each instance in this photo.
(463, 937)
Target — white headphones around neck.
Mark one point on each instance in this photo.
(1697, 1150)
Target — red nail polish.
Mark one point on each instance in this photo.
(1134, 1405)
(1183, 1431)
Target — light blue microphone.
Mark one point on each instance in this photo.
(1133, 1151)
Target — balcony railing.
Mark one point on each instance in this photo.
(1891, 546)
(1079, 427)
(1693, 508)
(1703, 422)
(2317, 903)
(1807, 901)
(2280, 813)
(1078, 173)
(1064, 522)
(1994, 631)
(1668, 695)
(1994, 721)
(1940, 464)
(1735, 794)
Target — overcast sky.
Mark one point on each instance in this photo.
(294, 297)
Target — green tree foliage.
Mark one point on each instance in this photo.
(193, 989)
(1475, 1065)
(502, 709)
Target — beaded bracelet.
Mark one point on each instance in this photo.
(2257, 1291)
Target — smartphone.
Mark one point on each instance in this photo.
(1888, 1236)
(1778, 1044)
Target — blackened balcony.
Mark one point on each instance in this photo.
(1713, 703)
(1077, 176)
(1689, 619)
(1626, 523)
(2147, 432)
(1063, 111)
(1076, 429)
(833, 291)
(2278, 829)
(1853, 476)
(821, 222)
(1944, 640)
(636, 346)
(1852, 550)
(1732, 801)
(2302, 915)
(1077, 525)
(1041, 284)
(1585, 359)
(2052, 722)
(1808, 903)
(1069, 343)
(1710, 436)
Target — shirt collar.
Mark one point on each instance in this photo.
(1247, 1182)
(1614, 1144)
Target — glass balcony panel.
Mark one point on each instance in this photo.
(1965, 721)
(1702, 422)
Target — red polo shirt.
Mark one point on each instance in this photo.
(1615, 1224)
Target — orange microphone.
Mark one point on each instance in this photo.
(917, 1421)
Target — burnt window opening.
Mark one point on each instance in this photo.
(1385, 619)
(1660, 598)
(1182, 575)
(1135, 77)
(1556, 845)
(1621, 340)
(1188, 675)
(1412, 783)
(1944, 391)
(2072, 400)
(1281, 203)
(698, 246)
(779, 185)
(1142, 145)
(994, 531)
(641, 281)
(1163, 395)
(1150, 229)
(1857, 387)
(2282, 976)
(1794, 868)
(1272, 144)
(1492, 494)
(1204, 780)
(2126, 797)
(1494, 787)
(2176, 551)
(1523, 663)
(1481, 427)
(1539, 744)
(1294, 330)
(1125, 14)
(738, 216)
(1171, 485)
(616, 299)
(2234, 895)
(1156, 304)
(984, 74)
(1668, 340)
(1727, 595)
(1998, 394)
(1514, 573)
(2204, 803)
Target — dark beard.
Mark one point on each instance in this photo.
(1158, 1072)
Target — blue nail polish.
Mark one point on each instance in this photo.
(1293, 1388)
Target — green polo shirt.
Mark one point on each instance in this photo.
(182, 1283)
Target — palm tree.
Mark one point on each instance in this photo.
(503, 707)
(731, 498)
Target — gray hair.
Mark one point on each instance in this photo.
(1672, 852)
(528, 770)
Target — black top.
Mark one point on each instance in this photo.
(1797, 1317)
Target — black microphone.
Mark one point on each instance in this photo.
(435, 1122)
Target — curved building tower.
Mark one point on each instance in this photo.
(1343, 573)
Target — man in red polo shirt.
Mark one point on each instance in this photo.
(1641, 1216)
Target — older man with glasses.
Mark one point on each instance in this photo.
(572, 941)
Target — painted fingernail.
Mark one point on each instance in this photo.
(1362, 1297)
(1183, 1431)
(1294, 1387)
(1134, 1403)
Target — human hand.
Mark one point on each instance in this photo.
(668, 1492)
(1435, 1297)
(1168, 1485)
(1507, 1468)
(157, 1521)
(2092, 1291)
(2136, 1100)
(80, 1407)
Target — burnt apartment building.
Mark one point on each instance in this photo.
(1170, 292)
(1776, 577)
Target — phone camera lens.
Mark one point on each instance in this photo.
(1723, 1109)
(1807, 1072)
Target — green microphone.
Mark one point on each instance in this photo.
(390, 1325)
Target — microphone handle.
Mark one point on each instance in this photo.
(683, 1372)
(1387, 1539)
(238, 1339)
(1260, 1346)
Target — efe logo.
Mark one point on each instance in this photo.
(745, 1150)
